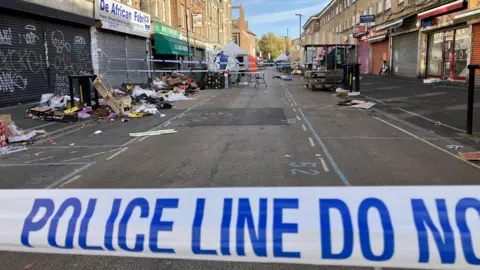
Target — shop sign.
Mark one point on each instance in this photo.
(166, 30)
(367, 19)
(122, 18)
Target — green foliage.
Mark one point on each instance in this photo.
(272, 44)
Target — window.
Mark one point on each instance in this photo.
(370, 11)
(182, 16)
(130, 2)
(189, 19)
(364, 12)
(353, 20)
(388, 4)
(156, 8)
(164, 10)
(348, 3)
(380, 6)
(207, 8)
(400, 1)
(358, 18)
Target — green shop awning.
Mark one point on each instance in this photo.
(170, 45)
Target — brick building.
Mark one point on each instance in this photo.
(241, 35)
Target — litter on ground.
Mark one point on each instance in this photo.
(151, 133)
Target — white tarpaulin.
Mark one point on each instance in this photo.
(282, 57)
(428, 227)
(233, 49)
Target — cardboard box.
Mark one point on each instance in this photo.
(173, 81)
(61, 117)
(36, 112)
(6, 119)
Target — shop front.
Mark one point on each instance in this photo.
(38, 52)
(404, 55)
(119, 43)
(167, 45)
(363, 48)
(379, 45)
(445, 42)
(472, 17)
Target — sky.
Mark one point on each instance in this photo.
(277, 16)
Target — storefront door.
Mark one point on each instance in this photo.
(448, 54)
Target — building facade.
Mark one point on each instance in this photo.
(41, 43)
(414, 39)
(241, 35)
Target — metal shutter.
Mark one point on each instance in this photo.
(23, 68)
(112, 57)
(379, 50)
(476, 50)
(404, 55)
(69, 53)
(363, 56)
(136, 49)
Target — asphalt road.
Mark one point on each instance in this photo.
(243, 137)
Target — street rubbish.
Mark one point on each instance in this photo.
(341, 92)
(432, 80)
(124, 120)
(72, 144)
(16, 134)
(163, 115)
(353, 94)
(3, 134)
(137, 92)
(438, 123)
(97, 132)
(171, 97)
(147, 108)
(52, 142)
(82, 115)
(152, 133)
(364, 105)
(470, 156)
(5, 150)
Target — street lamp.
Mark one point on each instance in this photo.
(300, 29)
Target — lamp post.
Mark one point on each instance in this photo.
(188, 36)
(300, 28)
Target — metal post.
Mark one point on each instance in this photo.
(188, 36)
(471, 91)
(357, 77)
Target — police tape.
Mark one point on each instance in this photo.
(412, 227)
(201, 62)
(243, 71)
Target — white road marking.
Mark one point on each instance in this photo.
(430, 120)
(113, 150)
(294, 109)
(318, 155)
(181, 115)
(94, 154)
(388, 87)
(291, 104)
(304, 128)
(116, 154)
(311, 141)
(427, 142)
(166, 124)
(42, 164)
(71, 180)
(324, 165)
(70, 159)
(70, 175)
(143, 139)
(40, 159)
(298, 117)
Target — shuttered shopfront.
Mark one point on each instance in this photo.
(476, 50)
(404, 55)
(120, 44)
(364, 56)
(28, 68)
(379, 53)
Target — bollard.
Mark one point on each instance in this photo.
(471, 91)
(357, 77)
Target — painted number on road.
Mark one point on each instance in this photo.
(304, 170)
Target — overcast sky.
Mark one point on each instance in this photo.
(276, 16)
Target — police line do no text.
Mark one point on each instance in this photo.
(418, 227)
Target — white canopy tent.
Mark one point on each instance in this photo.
(282, 57)
(233, 49)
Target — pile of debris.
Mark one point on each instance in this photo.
(355, 103)
(10, 133)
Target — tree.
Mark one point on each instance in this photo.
(273, 45)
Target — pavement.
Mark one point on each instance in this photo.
(439, 108)
(238, 137)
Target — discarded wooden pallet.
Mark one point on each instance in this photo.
(117, 103)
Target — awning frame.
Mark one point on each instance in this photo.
(392, 24)
(440, 10)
